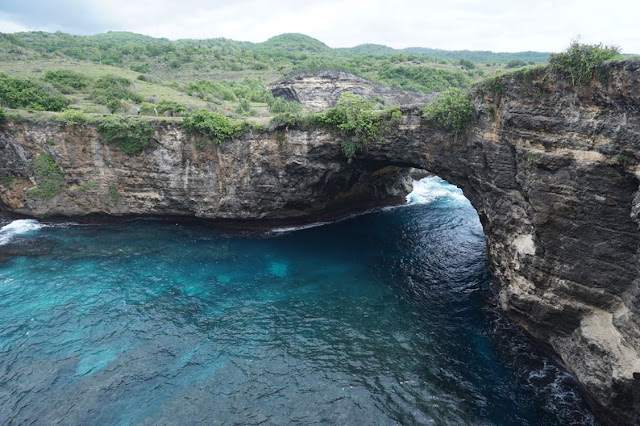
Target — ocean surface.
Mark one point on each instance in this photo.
(379, 319)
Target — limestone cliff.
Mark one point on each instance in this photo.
(322, 90)
(278, 174)
(552, 171)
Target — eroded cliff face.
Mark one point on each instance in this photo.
(322, 90)
(552, 171)
(279, 174)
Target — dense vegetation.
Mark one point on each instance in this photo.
(357, 122)
(73, 117)
(30, 94)
(129, 134)
(581, 62)
(452, 109)
(354, 119)
(116, 71)
(67, 80)
(216, 84)
(215, 126)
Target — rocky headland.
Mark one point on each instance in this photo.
(552, 170)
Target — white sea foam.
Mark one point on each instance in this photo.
(18, 227)
(433, 188)
(298, 228)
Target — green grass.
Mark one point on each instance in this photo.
(82, 100)
(186, 61)
(199, 73)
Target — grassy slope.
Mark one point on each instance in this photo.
(169, 65)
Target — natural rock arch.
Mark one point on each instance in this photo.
(551, 170)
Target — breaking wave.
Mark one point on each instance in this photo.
(18, 227)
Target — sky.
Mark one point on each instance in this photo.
(498, 25)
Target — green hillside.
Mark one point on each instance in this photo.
(123, 71)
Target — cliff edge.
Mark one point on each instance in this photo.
(552, 170)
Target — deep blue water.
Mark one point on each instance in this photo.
(383, 318)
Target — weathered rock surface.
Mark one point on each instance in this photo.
(277, 174)
(322, 90)
(553, 172)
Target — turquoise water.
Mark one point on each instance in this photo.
(384, 318)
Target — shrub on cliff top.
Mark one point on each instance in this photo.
(131, 135)
(356, 120)
(212, 125)
(73, 117)
(580, 62)
(282, 106)
(3, 115)
(174, 109)
(452, 109)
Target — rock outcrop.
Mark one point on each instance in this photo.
(552, 170)
(268, 175)
(322, 90)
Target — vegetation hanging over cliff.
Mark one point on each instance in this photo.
(357, 123)
(452, 109)
(354, 119)
(129, 134)
(215, 126)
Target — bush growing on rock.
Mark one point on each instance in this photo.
(49, 177)
(580, 62)
(130, 134)
(212, 125)
(355, 119)
(452, 109)
(281, 105)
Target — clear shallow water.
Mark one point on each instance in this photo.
(383, 318)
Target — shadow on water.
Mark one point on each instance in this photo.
(383, 318)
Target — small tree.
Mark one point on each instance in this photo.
(465, 63)
(515, 63)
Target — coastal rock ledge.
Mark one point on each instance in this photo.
(552, 170)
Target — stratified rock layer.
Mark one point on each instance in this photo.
(322, 90)
(552, 171)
